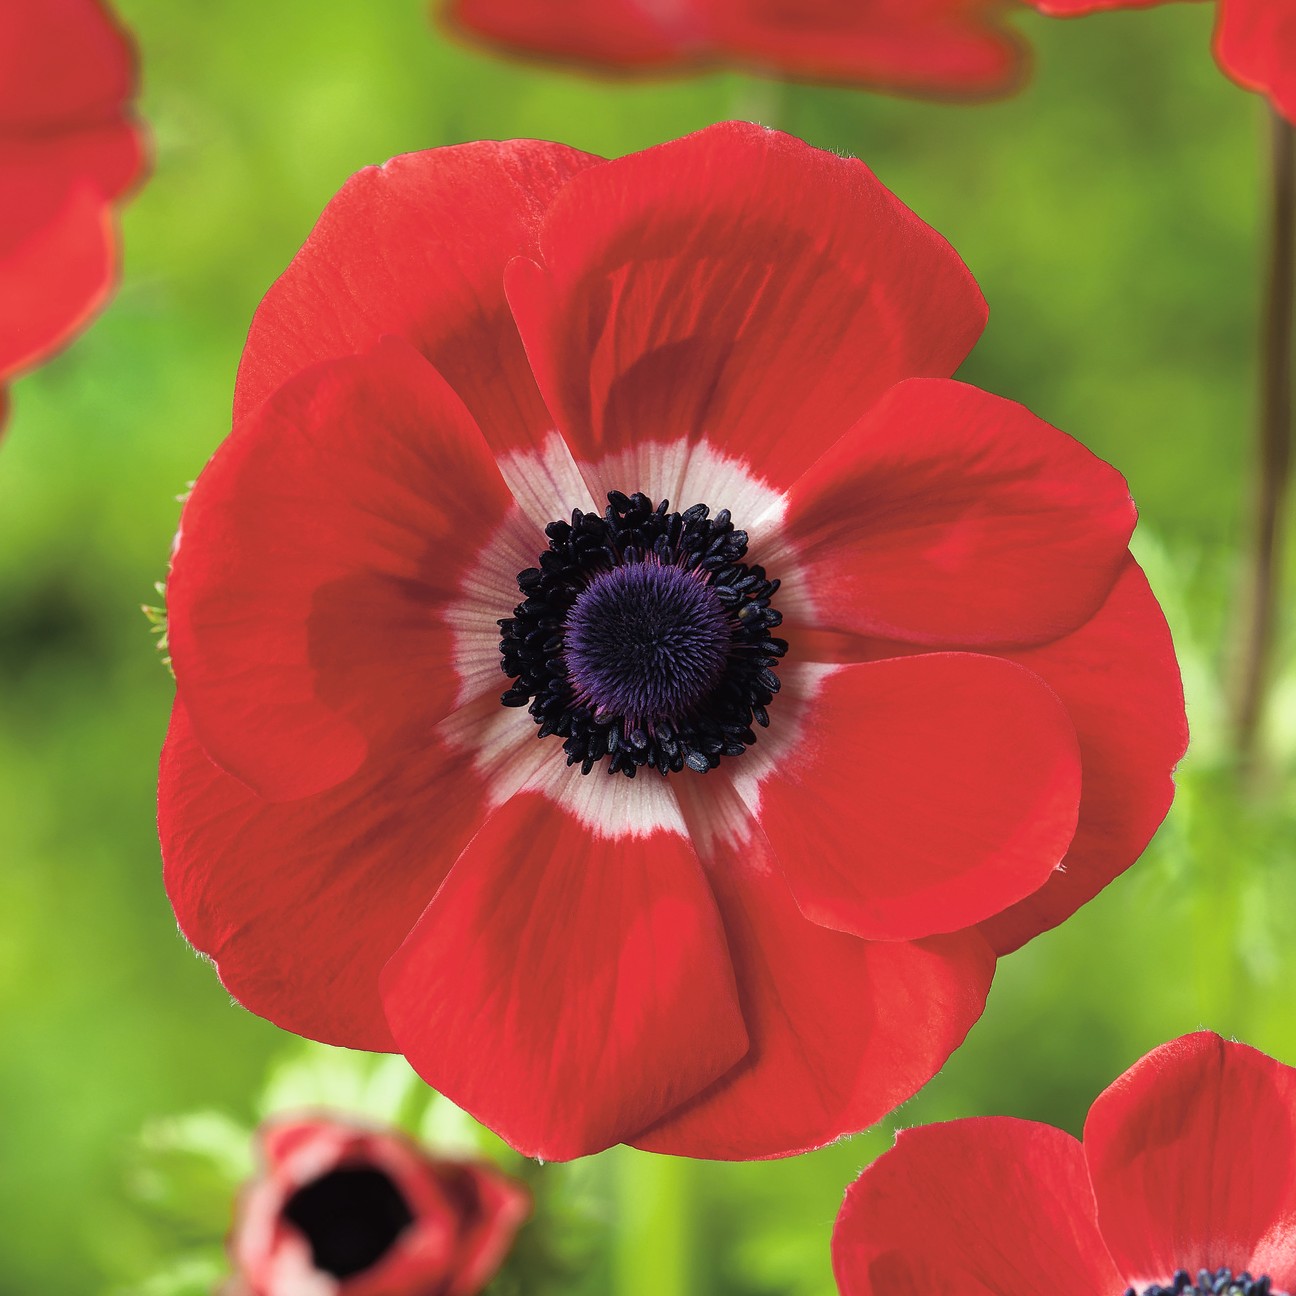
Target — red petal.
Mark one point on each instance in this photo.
(587, 31)
(58, 263)
(1255, 42)
(842, 1030)
(569, 987)
(62, 63)
(310, 616)
(300, 904)
(917, 795)
(1192, 1153)
(950, 516)
(493, 1207)
(1076, 8)
(917, 46)
(739, 286)
(1119, 680)
(986, 1207)
(417, 248)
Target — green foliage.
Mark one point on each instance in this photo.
(1110, 214)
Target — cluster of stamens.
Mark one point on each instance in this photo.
(1222, 1282)
(644, 639)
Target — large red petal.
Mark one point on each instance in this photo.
(1118, 677)
(1255, 42)
(417, 248)
(63, 63)
(842, 1030)
(320, 554)
(940, 47)
(1192, 1153)
(569, 985)
(300, 904)
(950, 516)
(739, 287)
(916, 795)
(595, 32)
(987, 1207)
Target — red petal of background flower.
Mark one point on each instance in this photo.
(1075, 8)
(58, 262)
(564, 987)
(317, 555)
(736, 285)
(1120, 682)
(985, 1207)
(600, 32)
(1255, 42)
(417, 248)
(1192, 1153)
(922, 46)
(301, 903)
(948, 515)
(842, 1030)
(63, 63)
(922, 794)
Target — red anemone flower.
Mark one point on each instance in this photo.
(657, 452)
(69, 149)
(941, 48)
(1255, 41)
(345, 1210)
(1185, 1184)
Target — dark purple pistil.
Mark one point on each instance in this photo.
(350, 1217)
(1220, 1282)
(643, 639)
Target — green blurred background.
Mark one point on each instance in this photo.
(1111, 213)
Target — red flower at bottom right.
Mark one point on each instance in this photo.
(1185, 1183)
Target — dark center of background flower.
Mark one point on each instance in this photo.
(1223, 1282)
(351, 1218)
(643, 638)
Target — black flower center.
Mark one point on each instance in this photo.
(644, 638)
(350, 1217)
(1222, 1282)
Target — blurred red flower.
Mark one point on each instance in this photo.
(1255, 41)
(69, 149)
(340, 1209)
(1185, 1184)
(942, 48)
(459, 418)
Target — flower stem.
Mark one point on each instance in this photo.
(1274, 452)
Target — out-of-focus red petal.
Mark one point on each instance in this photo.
(602, 34)
(417, 248)
(491, 1209)
(937, 47)
(320, 553)
(842, 1030)
(58, 262)
(1077, 8)
(299, 904)
(919, 795)
(569, 985)
(63, 63)
(738, 287)
(987, 1207)
(950, 516)
(1255, 42)
(1119, 680)
(1192, 1153)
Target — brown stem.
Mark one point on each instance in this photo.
(1274, 451)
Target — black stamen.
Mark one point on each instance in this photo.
(351, 1217)
(643, 639)
(1221, 1282)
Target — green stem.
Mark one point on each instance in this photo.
(1274, 454)
(654, 1244)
